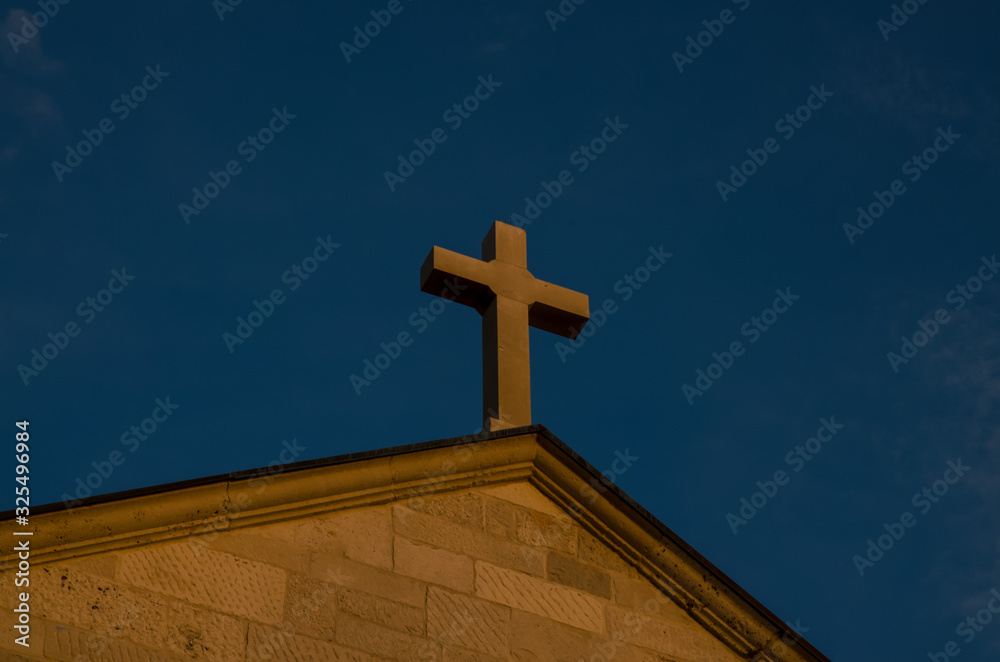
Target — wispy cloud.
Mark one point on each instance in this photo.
(37, 109)
(34, 110)
(967, 363)
(908, 87)
(29, 58)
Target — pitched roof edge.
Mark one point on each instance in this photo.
(709, 611)
(232, 476)
(208, 503)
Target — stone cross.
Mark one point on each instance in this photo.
(510, 300)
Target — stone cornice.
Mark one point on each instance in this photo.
(253, 498)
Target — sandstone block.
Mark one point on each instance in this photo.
(385, 584)
(681, 638)
(381, 641)
(248, 544)
(384, 612)
(501, 518)
(537, 596)
(192, 633)
(525, 494)
(207, 577)
(8, 619)
(541, 530)
(462, 655)
(569, 571)
(460, 620)
(535, 638)
(97, 605)
(310, 606)
(433, 565)
(70, 644)
(363, 535)
(595, 552)
(442, 533)
(465, 509)
(643, 595)
(267, 644)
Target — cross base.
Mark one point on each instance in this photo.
(494, 424)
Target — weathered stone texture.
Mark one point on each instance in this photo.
(382, 641)
(267, 644)
(675, 634)
(433, 565)
(571, 572)
(219, 580)
(311, 606)
(465, 509)
(251, 544)
(523, 494)
(361, 577)
(362, 535)
(543, 530)
(442, 533)
(69, 644)
(491, 574)
(460, 620)
(593, 551)
(535, 638)
(379, 610)
(521, 591)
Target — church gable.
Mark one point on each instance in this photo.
(493, 559)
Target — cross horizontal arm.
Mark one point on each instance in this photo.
(558, 310)
(475, 283)
(456, 277)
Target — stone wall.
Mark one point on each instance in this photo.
(493, 573)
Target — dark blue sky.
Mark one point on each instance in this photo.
(290, 142)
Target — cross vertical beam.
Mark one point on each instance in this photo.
(506, 365)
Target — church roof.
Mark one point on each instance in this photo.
(163, 513)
